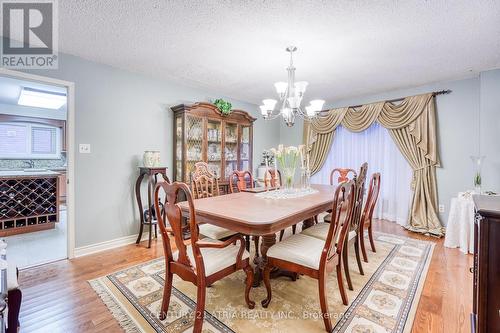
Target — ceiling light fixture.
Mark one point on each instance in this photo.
(41, 98)
(290, 95)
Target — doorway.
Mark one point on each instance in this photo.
(36, 168)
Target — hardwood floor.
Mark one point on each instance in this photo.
(57, 297)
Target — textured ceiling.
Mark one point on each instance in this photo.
(236, 48)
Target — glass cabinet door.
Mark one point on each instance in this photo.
(214, 147)
(231, 148)
(178, 148)
(194, 144)
(245, 148)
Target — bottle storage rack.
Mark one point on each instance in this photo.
(28, 203)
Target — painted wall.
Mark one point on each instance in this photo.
(458, 116)
(121, 114)
(490, 128)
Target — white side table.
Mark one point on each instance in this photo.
(460, 226)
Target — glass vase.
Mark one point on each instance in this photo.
(288, 175)
(305, 179)
(477, 161)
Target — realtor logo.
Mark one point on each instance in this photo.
(29, 30)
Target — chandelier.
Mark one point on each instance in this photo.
(290, 97)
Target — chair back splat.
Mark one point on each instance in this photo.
(344, 174)
(240, 180)
(367, 217)
(371, 201)
(204, 183)
(344, 201)
(272, 178)
(360, 192)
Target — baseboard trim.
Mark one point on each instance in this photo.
(108, 245)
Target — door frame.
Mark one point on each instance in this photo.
(70, 137)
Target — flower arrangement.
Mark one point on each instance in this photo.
(287, 157)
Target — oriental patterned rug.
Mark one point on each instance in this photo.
(383, 300)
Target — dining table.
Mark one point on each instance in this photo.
(252, 214)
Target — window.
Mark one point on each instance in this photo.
(29, 140)
(375, 146)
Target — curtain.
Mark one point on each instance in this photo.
(412, 125)
(375, 146)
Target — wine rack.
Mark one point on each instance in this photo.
(28, 203)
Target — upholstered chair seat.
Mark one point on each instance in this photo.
(320, 231)
(214, 259)
(299, 249)
(215, 232)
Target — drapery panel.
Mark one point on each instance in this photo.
(412, 125)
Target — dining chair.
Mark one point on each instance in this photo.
(238, 181)
(202, 263)
(355, 234)
(342, 175)
(205, 185)
(315, 257)
(355, 226)
(366, 218)
(272, 178)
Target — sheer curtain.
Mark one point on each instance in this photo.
(375, 146)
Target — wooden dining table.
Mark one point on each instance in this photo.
(249, 214)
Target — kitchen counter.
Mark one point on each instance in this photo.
(58, 169)
(27, 173)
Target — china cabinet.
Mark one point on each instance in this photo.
(203, 134)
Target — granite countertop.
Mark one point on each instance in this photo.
(27, 173)
(62, 168)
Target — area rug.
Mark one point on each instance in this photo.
(383, 300)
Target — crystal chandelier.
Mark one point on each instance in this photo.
(290, 95)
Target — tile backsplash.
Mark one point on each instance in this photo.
(38, 164)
